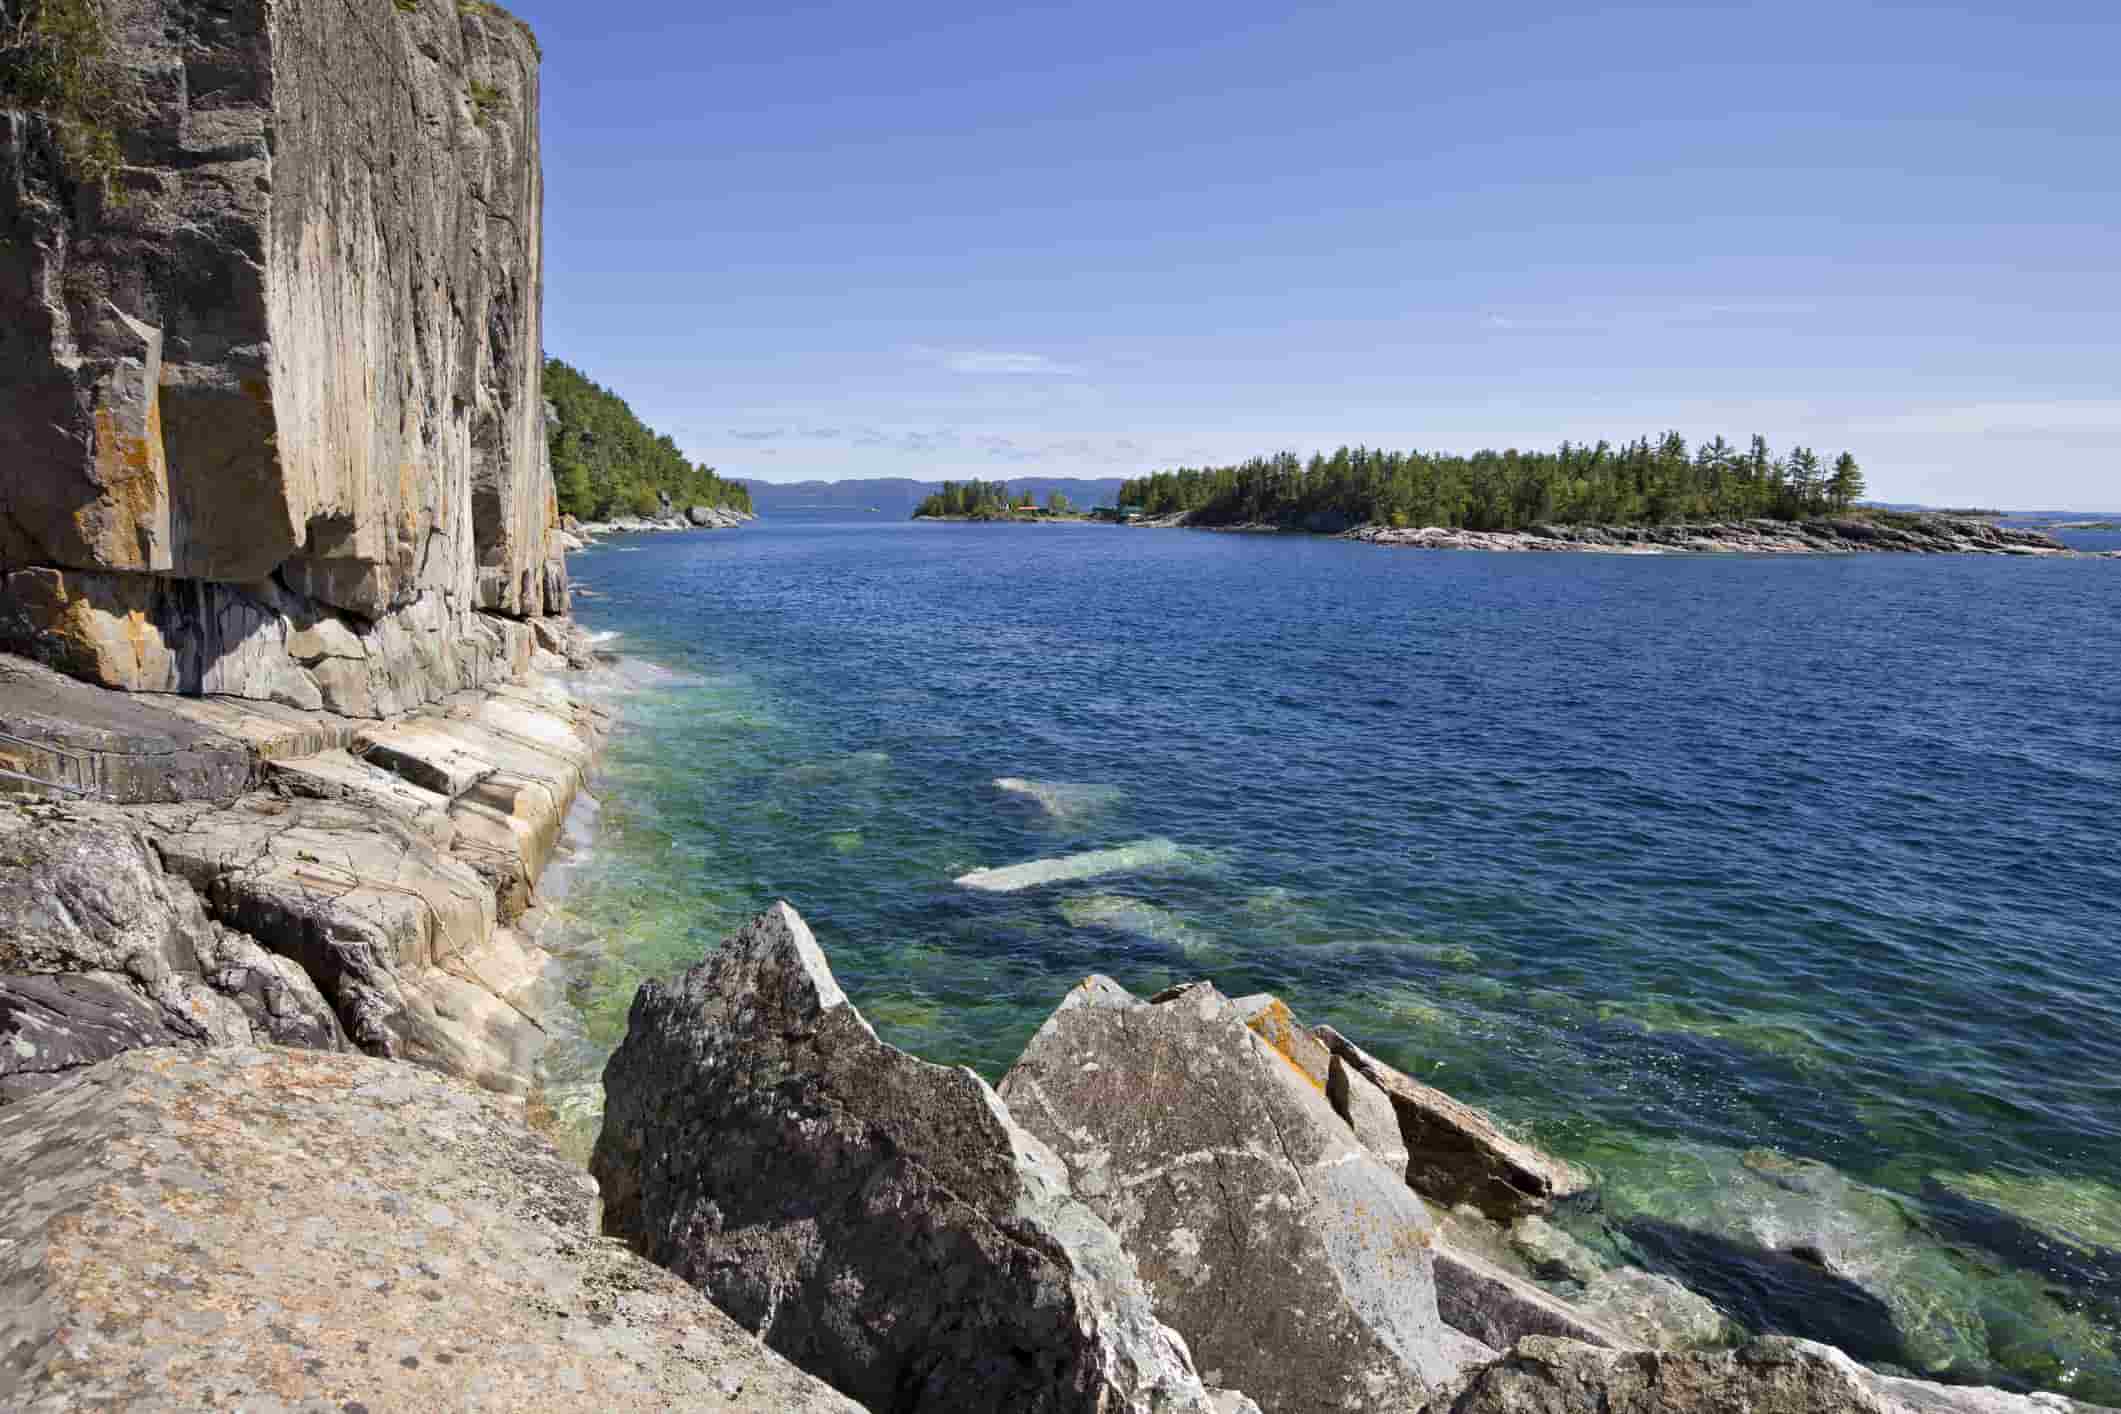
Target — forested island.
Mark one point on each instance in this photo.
(990, 500)
(607, 463)
(1647, 481)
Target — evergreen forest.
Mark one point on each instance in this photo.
(1648, 481)
(606, 463)
(978, 500)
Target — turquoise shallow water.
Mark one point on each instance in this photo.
(1778, 891)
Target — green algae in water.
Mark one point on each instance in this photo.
(2083, 1212)
(1786, 1038)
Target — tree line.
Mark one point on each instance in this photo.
(606, 463)
(1647, 481)
(985, 500)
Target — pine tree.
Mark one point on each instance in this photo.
(1847, 484)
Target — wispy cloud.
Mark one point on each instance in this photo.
(1591, 319)
(943, 440)
(996, 362)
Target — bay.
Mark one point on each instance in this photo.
(1777, 891)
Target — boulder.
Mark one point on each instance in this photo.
(1368, 1111)
(1775, 1375)
(1479, 1299)
(1455, 1152)
(880, 1221)
(271, 1229)
(1296, 1265)
(1269, 1018)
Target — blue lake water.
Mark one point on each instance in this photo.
(1779, 892)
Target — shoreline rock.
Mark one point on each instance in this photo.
(880, 1221)
(330, 883)
(1298, 1268)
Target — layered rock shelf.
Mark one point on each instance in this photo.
(318, 881)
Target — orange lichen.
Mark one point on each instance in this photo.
(135, 482)
(1276, 1025)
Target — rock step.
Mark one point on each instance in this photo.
(370, 869)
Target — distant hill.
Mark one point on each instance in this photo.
(897, 495)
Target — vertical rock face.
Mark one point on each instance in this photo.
(880, 1221)
(272, 423)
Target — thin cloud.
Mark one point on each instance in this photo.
(1558, 321)
(1002, 363)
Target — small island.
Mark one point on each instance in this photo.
(1653, 495)
(978, 500)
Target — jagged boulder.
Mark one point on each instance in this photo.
(289, 1230)
(1297, 1266)
(101, 951)
(1455, 1153)
(879, 1220)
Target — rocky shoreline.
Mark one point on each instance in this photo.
(1838, 535)
(1184, 1202)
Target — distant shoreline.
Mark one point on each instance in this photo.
(1899, 533)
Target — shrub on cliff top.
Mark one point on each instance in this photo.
(55, 60)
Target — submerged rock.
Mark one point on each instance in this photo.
(1455, 1152)
(271, 1229)
(1296, 1265)
(1059, 800)
(1122, 859)
(881, 1221)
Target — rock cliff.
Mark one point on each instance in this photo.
(273, 425)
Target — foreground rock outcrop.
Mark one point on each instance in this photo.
(1298, 1267)
(272, 424)
(316, 882)
(880, 1221)
(275, 1229)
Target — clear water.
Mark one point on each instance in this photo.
(1779, 892)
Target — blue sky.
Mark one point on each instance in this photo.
(1092, 239)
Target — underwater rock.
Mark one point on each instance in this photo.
(880, 1221)
(1138, 857)
(1297, 1266)
(1059, 800)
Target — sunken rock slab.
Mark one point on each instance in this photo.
(1297, 1266)
(1775, 1375)
(1456, 1154)
(878, 1220)
(290, 1230)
